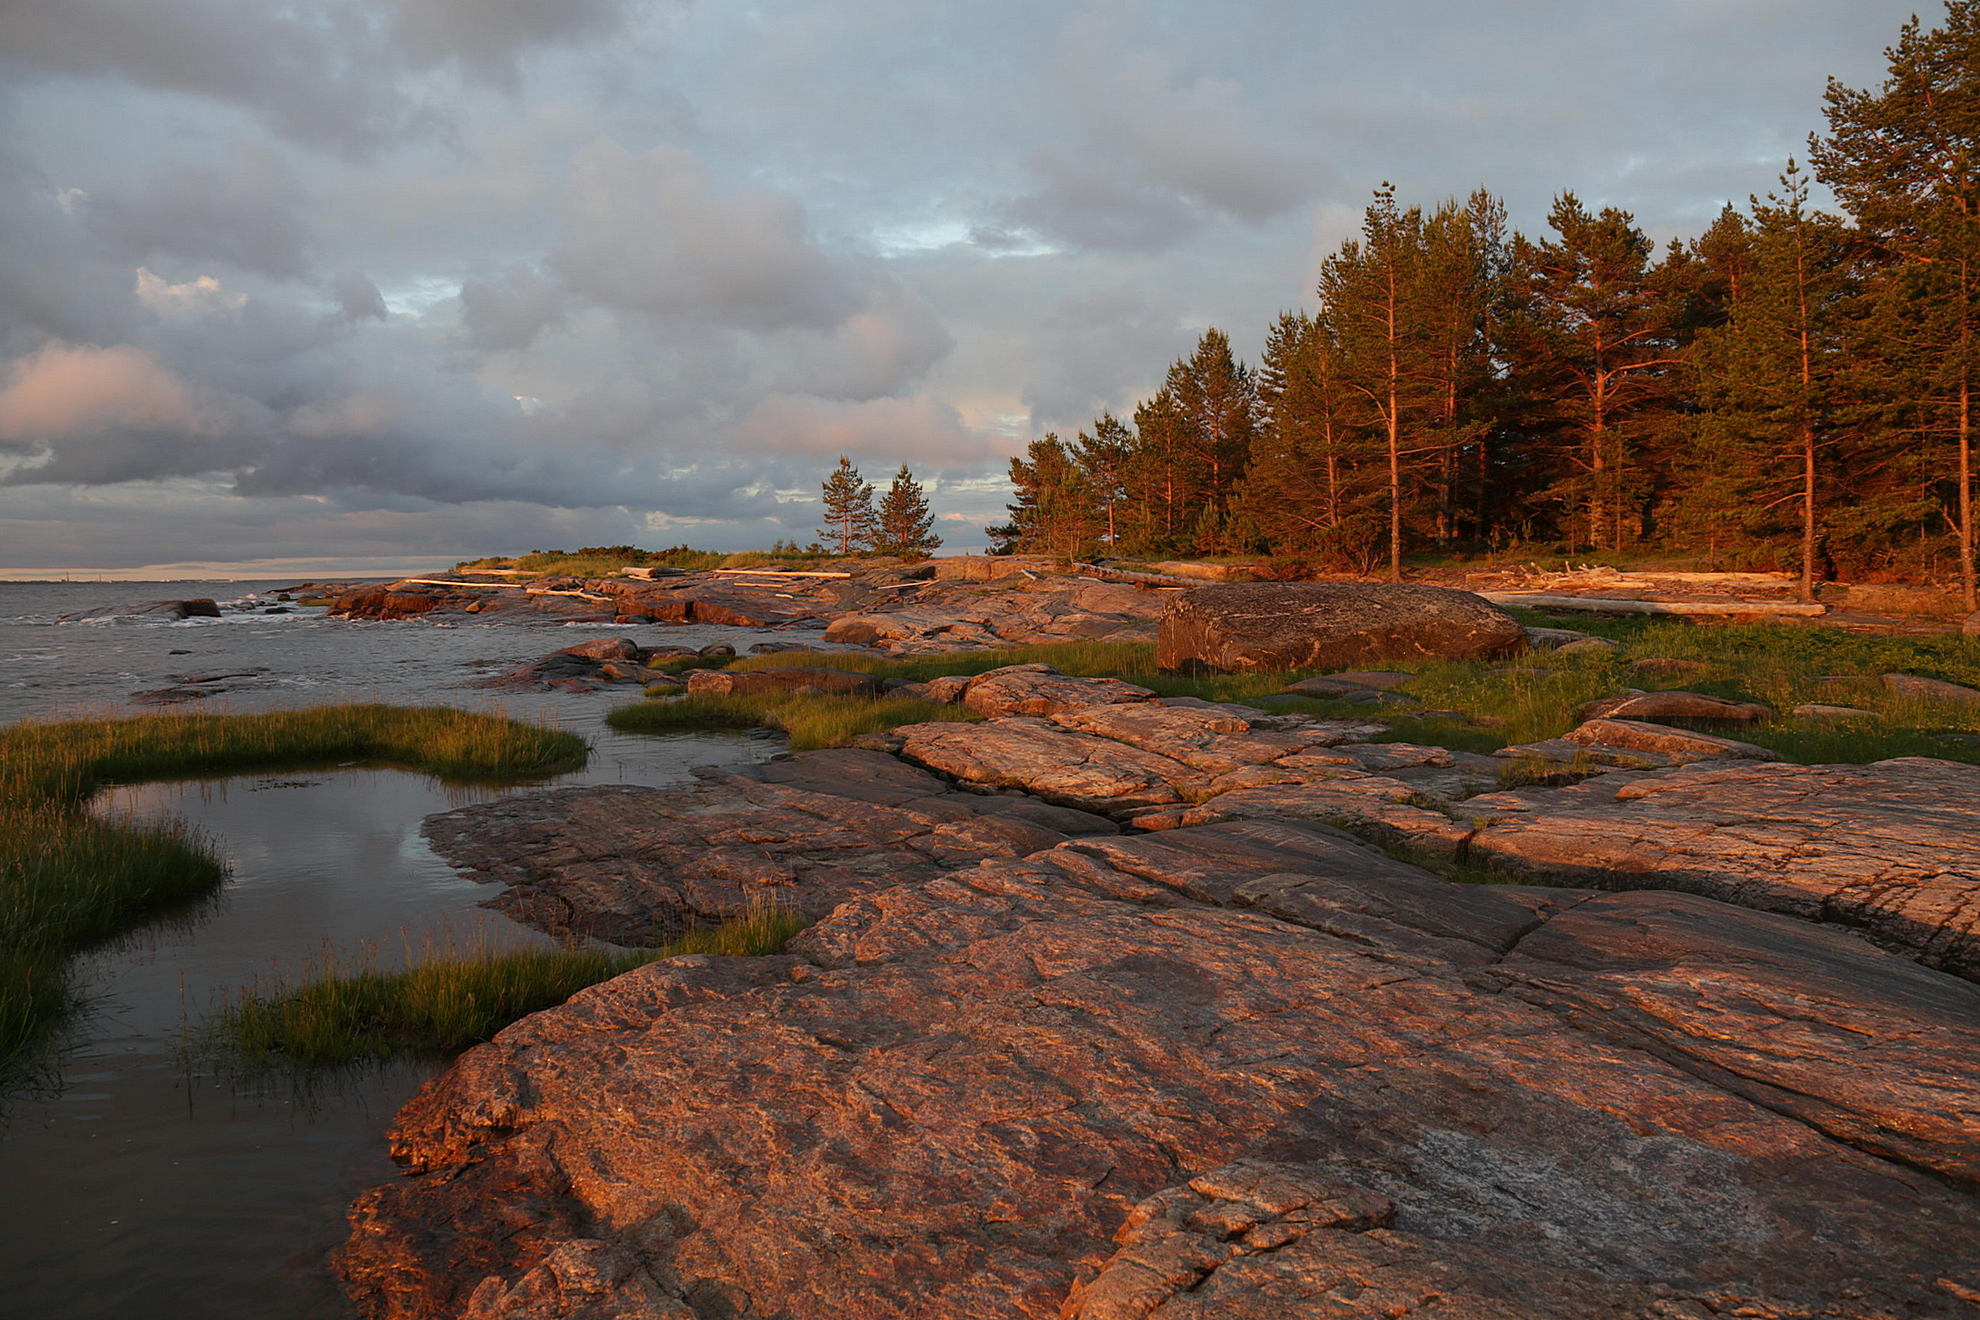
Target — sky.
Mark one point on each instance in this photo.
(371, 286)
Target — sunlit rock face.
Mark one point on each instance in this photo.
(1028, 1064)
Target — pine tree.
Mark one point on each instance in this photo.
(1768, 379)
(1054, 510)
(849, 517)
(1214, 394)
(1105, 459)
(1368, 292)
(1307, 489)
(1905, 163)
(1597, 343)
(1454, 295)
(906, 527)
(1158, 477)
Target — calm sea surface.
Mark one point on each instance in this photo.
(137, 1180)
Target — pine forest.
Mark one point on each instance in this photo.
(1790, 389)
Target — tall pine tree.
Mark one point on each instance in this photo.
(1598, 348)
(905, 526)
(849, 517)
(1054, 512)
(1904, 160)
(1369, 295)
(1768, 378)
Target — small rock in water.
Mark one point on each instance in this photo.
(715, 650)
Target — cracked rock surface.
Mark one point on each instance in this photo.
(1891, 848)
(1242, 1069)
(1228, 1062)
(638, 866)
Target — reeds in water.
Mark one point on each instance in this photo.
(348, 1011)
(68, 879)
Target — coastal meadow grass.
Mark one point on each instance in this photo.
(347, 1011)
(1482, 706)
(69, 879)
(810, 722)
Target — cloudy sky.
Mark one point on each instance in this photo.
(373, 285)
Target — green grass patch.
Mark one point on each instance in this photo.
(1088, 659)
(1540, 695)
(446, 1000)
(811, 722)
(68, 880)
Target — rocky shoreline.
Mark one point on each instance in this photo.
(942, 605)
(1112, 1009)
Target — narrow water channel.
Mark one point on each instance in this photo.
(133, 1185)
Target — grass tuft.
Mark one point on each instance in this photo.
(448, 1000)
(68, 880)
(811, 722)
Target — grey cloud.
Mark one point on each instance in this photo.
(1157, 152)
(489, 34)
(654, 233)
(507, 310)
(317, 72)
(357, 297)
(246, 213)
(880, 349)
(333, 73)
(1089, 372)
(919, 430)
(54, 280)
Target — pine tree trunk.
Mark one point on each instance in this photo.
(1966, 575)
(1807, 432)
(1395, 491)
(1807, 509)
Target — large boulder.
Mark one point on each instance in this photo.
(1656, 707)
(1042, 690)
(1328, 625)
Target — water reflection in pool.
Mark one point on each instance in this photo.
(137, 1187)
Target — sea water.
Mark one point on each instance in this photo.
(136, 1176)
